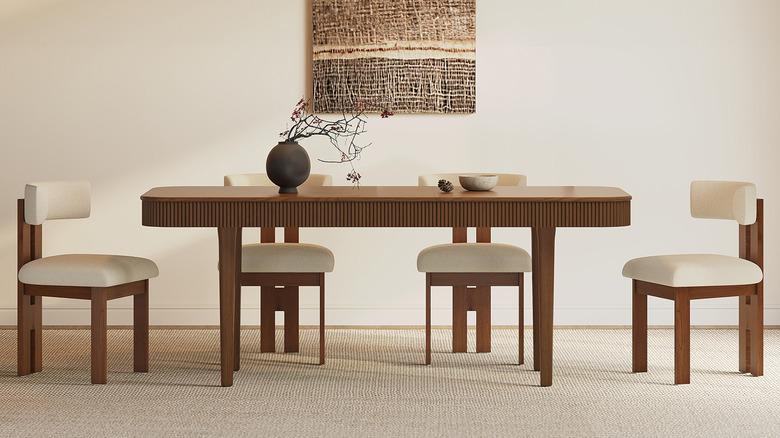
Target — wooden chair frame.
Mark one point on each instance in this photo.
(751, 310)
(278, 292)
(30, 311)
(471, 292)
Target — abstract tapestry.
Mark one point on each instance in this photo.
(402, 56)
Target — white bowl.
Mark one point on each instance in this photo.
(478, 183)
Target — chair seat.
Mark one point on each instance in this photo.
(473, 257)
(87, 270)
(692, 270)
(286, 257)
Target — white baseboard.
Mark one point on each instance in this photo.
(392, 317)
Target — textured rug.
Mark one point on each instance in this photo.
(373, 384)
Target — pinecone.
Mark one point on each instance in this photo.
(445, 186)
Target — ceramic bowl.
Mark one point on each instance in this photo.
(478, 183)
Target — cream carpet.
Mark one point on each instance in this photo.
(373, 385)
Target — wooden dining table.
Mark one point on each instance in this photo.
(541, 208)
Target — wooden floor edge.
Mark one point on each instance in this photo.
(387, 327)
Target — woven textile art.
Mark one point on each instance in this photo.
(403, 56)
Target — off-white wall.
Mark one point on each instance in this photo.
(641, 94)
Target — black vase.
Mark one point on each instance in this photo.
(288, 166)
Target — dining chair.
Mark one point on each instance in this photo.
(94, 277)
(685, 277)
(471, 269)
(280, 269)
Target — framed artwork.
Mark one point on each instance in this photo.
(402, 56)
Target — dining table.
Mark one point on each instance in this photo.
(543, 209)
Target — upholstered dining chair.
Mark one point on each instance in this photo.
(94, 277)
(280, 269)
(471, 269)
(685, 277)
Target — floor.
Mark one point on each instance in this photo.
(373, 384)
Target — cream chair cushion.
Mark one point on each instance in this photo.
(87, 270)
(724, 200)
(286, 257)
(691, 270)
(473, 257)
(56, 200)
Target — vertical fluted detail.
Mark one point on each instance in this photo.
(367, 213)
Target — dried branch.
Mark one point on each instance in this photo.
(343, 134)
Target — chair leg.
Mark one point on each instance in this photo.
(682, 337)
(322, 318)
(237, 330)
(481, 299)
(757, 335)
(99, 336)
(521, 322)
(638, 330)
(428, 319)
(36, 338)
(29, 334)
(744, 334)
(141, 330)
(290, 303)
(459, 319)
(267, 320)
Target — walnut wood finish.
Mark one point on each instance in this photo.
(278, 295)
(473, 279)
(99, 336)
(29, 309)
(229, 268)
(467, 297)
(322, 318)
(141, 330)
(470, 293)
(543, 208)
(543, 261)
(682, 337)
(751, 310)
(638, 330)
(273, 299)
(427, 319)
(521, 320)
(329, 206)
(277, 279)
(29, 321)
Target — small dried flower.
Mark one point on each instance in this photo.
(354, 177)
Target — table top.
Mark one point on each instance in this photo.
(386, 193)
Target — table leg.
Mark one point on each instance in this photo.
(535, 304)
(543, 248)
(229, 261)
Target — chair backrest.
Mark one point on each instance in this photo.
(56, 200)
(504, 179)
(268, 234)
(729, 200)
(459, 234)
(261, 179)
